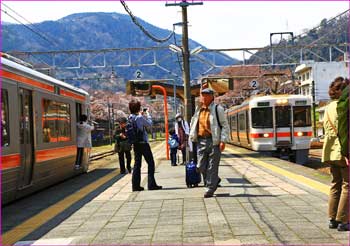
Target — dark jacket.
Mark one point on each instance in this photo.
(121, 144)
(343, 121)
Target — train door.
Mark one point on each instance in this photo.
(26, 136)
(247, 126)
(283, 134)
(78, 110)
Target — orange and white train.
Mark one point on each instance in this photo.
(280, 124)
(38, 129)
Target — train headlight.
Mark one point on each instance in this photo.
(266, 135)
(282, 101)
(300, 134)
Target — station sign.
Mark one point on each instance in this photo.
(254, 84)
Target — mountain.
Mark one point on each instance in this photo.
(93, 31)
(334, 31)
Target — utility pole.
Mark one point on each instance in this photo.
(185, 56)
(314, 106)
(109, 122)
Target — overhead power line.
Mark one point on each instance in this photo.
(134, 19)
(27, 26)
(327, 22)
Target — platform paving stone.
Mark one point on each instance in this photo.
(253, 206)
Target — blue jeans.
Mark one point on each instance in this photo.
(143, 149)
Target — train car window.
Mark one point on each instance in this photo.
(234, 123)
(262, 117)
(64, 122)
(56, 121)
(5, 126)
(241, 121)
(282, 116)
(49, 118)
(302, 116)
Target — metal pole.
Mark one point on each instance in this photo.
(314, 106)
(109, 122)
(175, 109)
(186, 65)
(166, 120)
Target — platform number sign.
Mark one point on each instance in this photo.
(138, 74)
(254, 84)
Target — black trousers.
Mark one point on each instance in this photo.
(173, 152)
(121, 155)
(80, 153)
(143, 149)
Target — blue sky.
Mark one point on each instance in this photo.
(215, 24)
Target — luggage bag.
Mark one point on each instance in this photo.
(192, 177)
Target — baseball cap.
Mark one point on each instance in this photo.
(208, 91)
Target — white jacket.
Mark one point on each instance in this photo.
(187, 131)
(84, 135)
(218, 135)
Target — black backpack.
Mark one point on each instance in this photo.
(134, 134)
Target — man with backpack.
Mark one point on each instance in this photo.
(138, 137)
(209, 129)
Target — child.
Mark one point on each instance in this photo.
(173, 144)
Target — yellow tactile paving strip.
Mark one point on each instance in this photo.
(295, 177)
(38, 220)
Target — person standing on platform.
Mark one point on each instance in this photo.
(83, 138)
(139, 121)
(209, 129)
(182, 130)
(123, 148)
(338, 206)
(173, 144)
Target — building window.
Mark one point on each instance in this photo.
(56, 121)
(5, 125)
(303, 79)
(307, 75)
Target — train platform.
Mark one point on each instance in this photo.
(263, 200)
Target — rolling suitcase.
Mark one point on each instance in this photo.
(192, 177)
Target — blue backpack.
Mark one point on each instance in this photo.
(173, 143)
(134, 134)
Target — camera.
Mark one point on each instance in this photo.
(145, 109)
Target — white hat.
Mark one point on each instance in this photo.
(178, 115)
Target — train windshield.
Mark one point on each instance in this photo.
(282, 116)
(302, 116)
(262, 117)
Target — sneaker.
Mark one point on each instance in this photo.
(219, 181)
(208, 195)
(333, 224)
(343, 227)
(157, 187)
(138, 189)
(77, 167)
